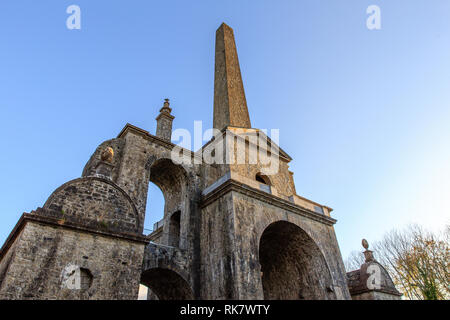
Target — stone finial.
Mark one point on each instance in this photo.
(164, 122)
(368, 254)
(104, 166)
(107, 155)
(166, 106)
(230, 105)
(365, 244)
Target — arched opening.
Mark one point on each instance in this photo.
(86, 278)
(264, 182)
(143, 292)
(154, 210)
(262, 179)
(174, 229)
(171, 179)
(292, 265)
(165, 284)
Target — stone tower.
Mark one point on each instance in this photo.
(233, 226)
(164, 122)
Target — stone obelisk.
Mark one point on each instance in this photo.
(230, 105)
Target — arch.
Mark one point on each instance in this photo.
(292, 265)
(169, 177)
(167, 284)
(263, 179)
(154, 209)
(172, 179)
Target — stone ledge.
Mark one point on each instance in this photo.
(232, 185)
(392, 292)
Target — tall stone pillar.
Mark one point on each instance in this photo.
(164, 122)
(230, 105)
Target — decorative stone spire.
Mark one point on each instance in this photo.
(368, 254)
(230, 105)
(164, 122)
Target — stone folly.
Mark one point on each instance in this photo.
(371, 281)
(229, 231)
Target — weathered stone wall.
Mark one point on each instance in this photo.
(164, 127)
(134, 171)
(375, 295)
(253, 216)
(232, 224)
(97, 202)
(166, 271)
(240, 148)
(41, 254)
(217, 256)
(238, 152)
(6, 261)
(282, 181)
(117, 145)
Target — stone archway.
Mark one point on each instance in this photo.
(292, 265)
(167, 284)
(172, 180)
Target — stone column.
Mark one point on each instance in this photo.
(164, 122)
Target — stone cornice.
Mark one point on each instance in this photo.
(392, 292)
(163, 114)
(233, 185)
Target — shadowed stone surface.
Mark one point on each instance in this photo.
(292, 265)
(167, 285)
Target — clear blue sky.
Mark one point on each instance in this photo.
(364, 114)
